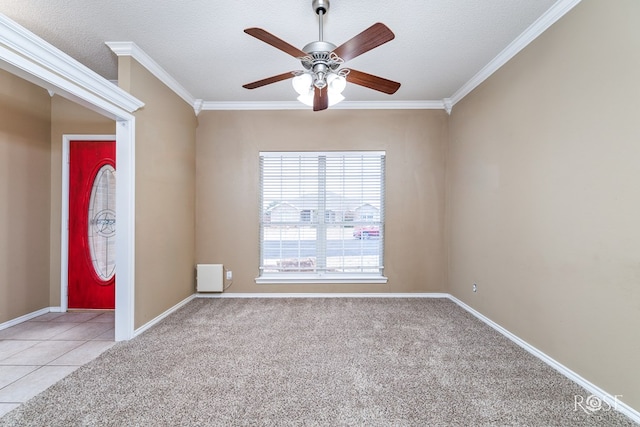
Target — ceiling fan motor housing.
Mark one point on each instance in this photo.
(320, 6)
(320, 61)
(320, 52)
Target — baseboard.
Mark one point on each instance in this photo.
(587, 385)
(321, 295)
(158, 318)
(29, 316)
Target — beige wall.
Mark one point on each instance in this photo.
(543, 177)
(24, 197)
(66, 118)
(165, 193)
(228, 144)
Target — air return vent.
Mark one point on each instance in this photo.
(209, 278)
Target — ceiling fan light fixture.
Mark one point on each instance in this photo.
(302, 83)
(337, 83)
(307, 98)
(335, 98)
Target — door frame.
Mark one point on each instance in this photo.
(64, 235)
(27, 56)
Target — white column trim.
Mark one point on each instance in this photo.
(126, 233)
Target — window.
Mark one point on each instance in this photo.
(321, 217)
(102, 223)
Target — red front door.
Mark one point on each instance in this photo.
(92, 225)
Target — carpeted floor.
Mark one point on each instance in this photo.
(325, 361)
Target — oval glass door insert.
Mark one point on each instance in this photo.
(102, 223)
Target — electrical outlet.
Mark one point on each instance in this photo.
(475, 288)
(229, 275)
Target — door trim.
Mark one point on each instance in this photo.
(64, 232)
(124, 290)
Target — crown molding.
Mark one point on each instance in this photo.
(33, 58)
(389, 105)
(550, 17)
(252, 105)
(448, 105)
(345, 105)
(133, 50)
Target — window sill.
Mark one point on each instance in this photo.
(276, 279)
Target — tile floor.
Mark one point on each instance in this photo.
(37, 353)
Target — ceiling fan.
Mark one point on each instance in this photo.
(322, 81)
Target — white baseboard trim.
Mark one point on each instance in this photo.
(56, 310)
(28, 316)
(321, 295)
(589, 386)
(158, 318)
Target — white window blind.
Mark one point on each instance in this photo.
(321, 215)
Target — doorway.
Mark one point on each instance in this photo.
(88, 257)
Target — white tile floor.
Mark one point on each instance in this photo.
(36, 354)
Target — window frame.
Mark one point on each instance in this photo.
(324, 277)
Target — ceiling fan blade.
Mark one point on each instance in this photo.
(274, 41)
(320, 99)
(269, 80)
(372, 82)
(372, 37)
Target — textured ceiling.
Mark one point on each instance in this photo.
(439, 46)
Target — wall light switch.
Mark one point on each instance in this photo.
(229, 275)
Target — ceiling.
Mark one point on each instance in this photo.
(440, 45)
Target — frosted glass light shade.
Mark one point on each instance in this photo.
(336, 83)
(307, 98)
(302, 83)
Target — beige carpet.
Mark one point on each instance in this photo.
(308, 362)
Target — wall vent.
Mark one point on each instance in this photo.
(209, 278)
